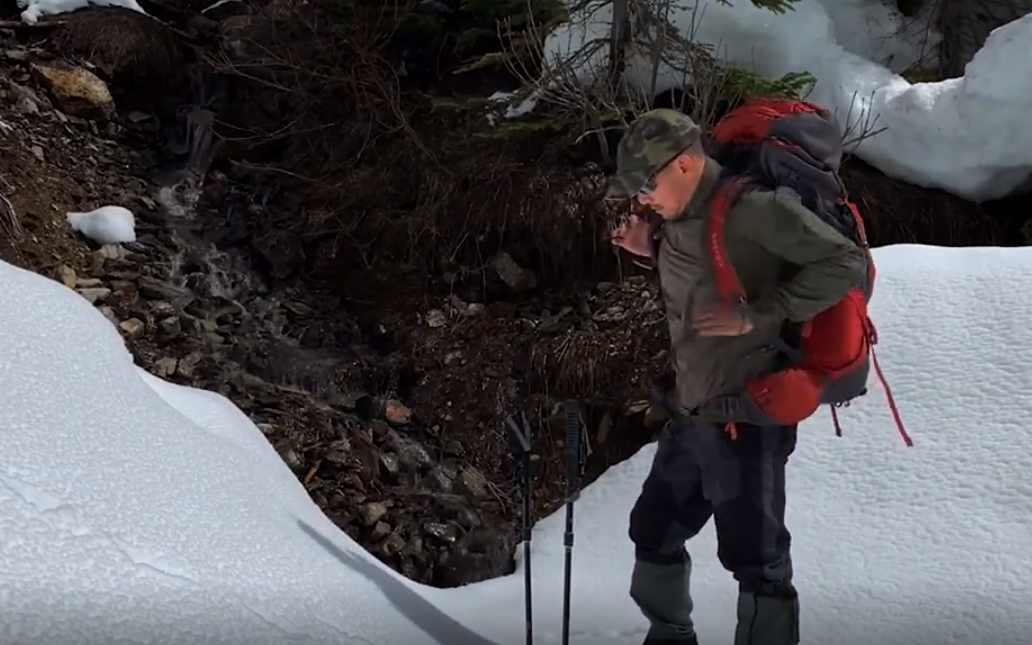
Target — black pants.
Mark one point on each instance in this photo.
(699, 472)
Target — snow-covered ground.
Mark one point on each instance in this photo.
(968, 136)
(136, 511)
(33, 10)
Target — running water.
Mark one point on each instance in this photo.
(266, 342)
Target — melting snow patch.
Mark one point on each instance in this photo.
(106, 225)
(517, 106)
(33, 10)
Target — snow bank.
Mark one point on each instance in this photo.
(33, 10)
(967, 136)
(136, 511)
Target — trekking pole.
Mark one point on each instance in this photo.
(519, 432)
(575, 458)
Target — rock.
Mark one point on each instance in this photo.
(133, 327)
(489, 556)
(392, 544)
(165, 366)
(380, 531)
(92, 295)
(89, 283)
(397, 413)
(289, 456)
(111, 252)
(372, 513)
(170, 327)
(439, 480)
(28, 102)
(37, 152)
(75, 90)
(109, 313)
(453, 448)
(188, 364)
(445, 533)
(411, 454)
(513, 275)
(338, 452)
(473, 481)
(155, 289)
(390, 463)
(436, 318)
(124, 289)
(163, 309)
(26, 106)
(66, 275)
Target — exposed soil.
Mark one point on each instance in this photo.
(384, 390)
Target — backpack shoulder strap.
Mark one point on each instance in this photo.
(729, 286)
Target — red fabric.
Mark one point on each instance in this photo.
(751, 122)
(788, 396)
(837, 342)
(728, 286)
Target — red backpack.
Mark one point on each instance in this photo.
(795, 144)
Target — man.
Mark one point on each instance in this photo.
(792, 266)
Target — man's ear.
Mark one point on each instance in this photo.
(688, 163)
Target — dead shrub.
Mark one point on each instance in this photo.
(381, 174)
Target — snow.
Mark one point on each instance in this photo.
(105, 225)
(138, 511)
(968, 136)
(33, 10)
(877, 31)
(516, 106)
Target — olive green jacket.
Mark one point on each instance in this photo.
(791, 264)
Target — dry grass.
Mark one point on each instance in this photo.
(123, 43)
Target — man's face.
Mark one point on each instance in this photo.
(671, 188)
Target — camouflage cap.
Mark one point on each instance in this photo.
(651, 142)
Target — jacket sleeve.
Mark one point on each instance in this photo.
(829, 264)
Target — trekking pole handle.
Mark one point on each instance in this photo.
(574, 447)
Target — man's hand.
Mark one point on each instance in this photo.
(721, 321)
(632, 235)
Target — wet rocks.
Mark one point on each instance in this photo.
(132, 327)
(189, 317)
(372, 513)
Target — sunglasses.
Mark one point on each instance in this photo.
(650, 184)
